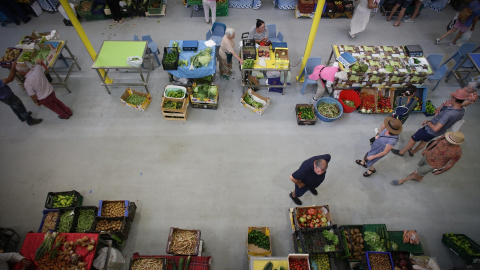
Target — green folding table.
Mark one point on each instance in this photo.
(114, 54)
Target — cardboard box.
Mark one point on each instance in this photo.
(264, 52)
(390, 93)
(281, 58)
(298, 256)
(202, 100)
(258, 98)
(174, 230)
(142, 107)
(371, 91)
(254, 250)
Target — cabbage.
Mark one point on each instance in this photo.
(212, 91)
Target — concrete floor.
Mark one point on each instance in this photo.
(225, 170)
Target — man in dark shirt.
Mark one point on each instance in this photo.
(309, 176)
(9, 98)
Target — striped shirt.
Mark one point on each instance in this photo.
(37, 84)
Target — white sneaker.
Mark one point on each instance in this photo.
(437, 41)
(314, 100)
(376, 130)
(351, 35)
(408, 20)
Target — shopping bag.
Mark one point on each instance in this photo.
(465, 37)
(134, 61)
(452, 23)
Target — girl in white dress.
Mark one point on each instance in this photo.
(361, 16)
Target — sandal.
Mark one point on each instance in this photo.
(359, 162)
(410, 153)
(396, 183)
(366, 174)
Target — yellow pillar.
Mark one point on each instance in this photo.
(82, 35)
(311, 38)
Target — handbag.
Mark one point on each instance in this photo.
(452, 23)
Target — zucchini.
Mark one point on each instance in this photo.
(180, 264)
(268, 266)
(174, 266)
(188, 262)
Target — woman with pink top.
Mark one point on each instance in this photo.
(207, 6)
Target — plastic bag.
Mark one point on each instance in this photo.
(115, 260)
(465, 37)
(134, 61)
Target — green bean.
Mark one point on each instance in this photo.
(85, 220)
(66, 221)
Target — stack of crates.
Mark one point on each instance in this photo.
(222, 8)
(253, 250)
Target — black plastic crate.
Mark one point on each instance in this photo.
(468, 257)
(314, 242)
(201, 105)
(77, 199)
(170, 65)
(398, 256)
(248, 42)
(9, 240)
(249, 53)
(66, 211)
(350, 251)
(45, 213)
(97, 7)
(122, 233)
(78, 210)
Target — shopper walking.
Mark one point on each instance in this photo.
(438, 158)
(9, 98)
(41, 91)
(210, 5)
(116, 10)
(13, 10)
(259, 32)
(361, 16)
(437, 126)
(309, 176)
(471, 89)
(467, 19)
(384, 142)
(404, 5)
(226, 52)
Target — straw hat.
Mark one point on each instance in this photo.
(455, 137)
(460, 94)
(394, 126)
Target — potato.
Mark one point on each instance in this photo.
(352, 232)
(360, 240)
(362, 247)
(349, 246)
(356, 230)
(356, 253)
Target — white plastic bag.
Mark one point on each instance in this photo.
(134, 61)
(115, 260)
(465, 37)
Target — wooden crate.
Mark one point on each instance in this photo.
(175, 114)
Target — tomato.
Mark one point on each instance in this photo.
(298, 264)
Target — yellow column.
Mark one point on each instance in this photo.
(311, 38)
(82, 35)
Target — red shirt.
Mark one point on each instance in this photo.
(442, 153)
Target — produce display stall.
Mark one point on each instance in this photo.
(50, 51)
(277, 60)
(221, 11)
(381, 66)
(186, 55)
(114, 54)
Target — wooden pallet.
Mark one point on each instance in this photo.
(163, 13)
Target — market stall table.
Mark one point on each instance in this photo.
(185, 71)
(270, 66)
(114, 54)
(387, 66)
(34, 240)
(59, 45)
(475, 59)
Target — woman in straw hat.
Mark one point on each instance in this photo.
(471, 90)
(384, 142)
(438, 157)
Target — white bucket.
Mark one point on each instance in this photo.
(64, 14)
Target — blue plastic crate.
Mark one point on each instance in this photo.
(279, 44)
(45, 213)
(130, 208)
(190, 45)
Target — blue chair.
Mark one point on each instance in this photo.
(135, 38)
(216, 33)
(312, 62)
(434, 60)
(459, 56)
(438, 75)
(272, 34)
(152, 47)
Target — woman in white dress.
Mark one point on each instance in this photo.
(361, 16)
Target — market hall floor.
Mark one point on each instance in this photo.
(224, 170)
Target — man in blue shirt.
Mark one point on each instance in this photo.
(309, 176)
(7, 97)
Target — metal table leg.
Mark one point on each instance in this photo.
(103, 80)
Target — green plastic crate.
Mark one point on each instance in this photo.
(194, 2)
(397, 237)
(469, 258)
(96, 17)
(373, 228)
(84, 12)
(155, 10)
